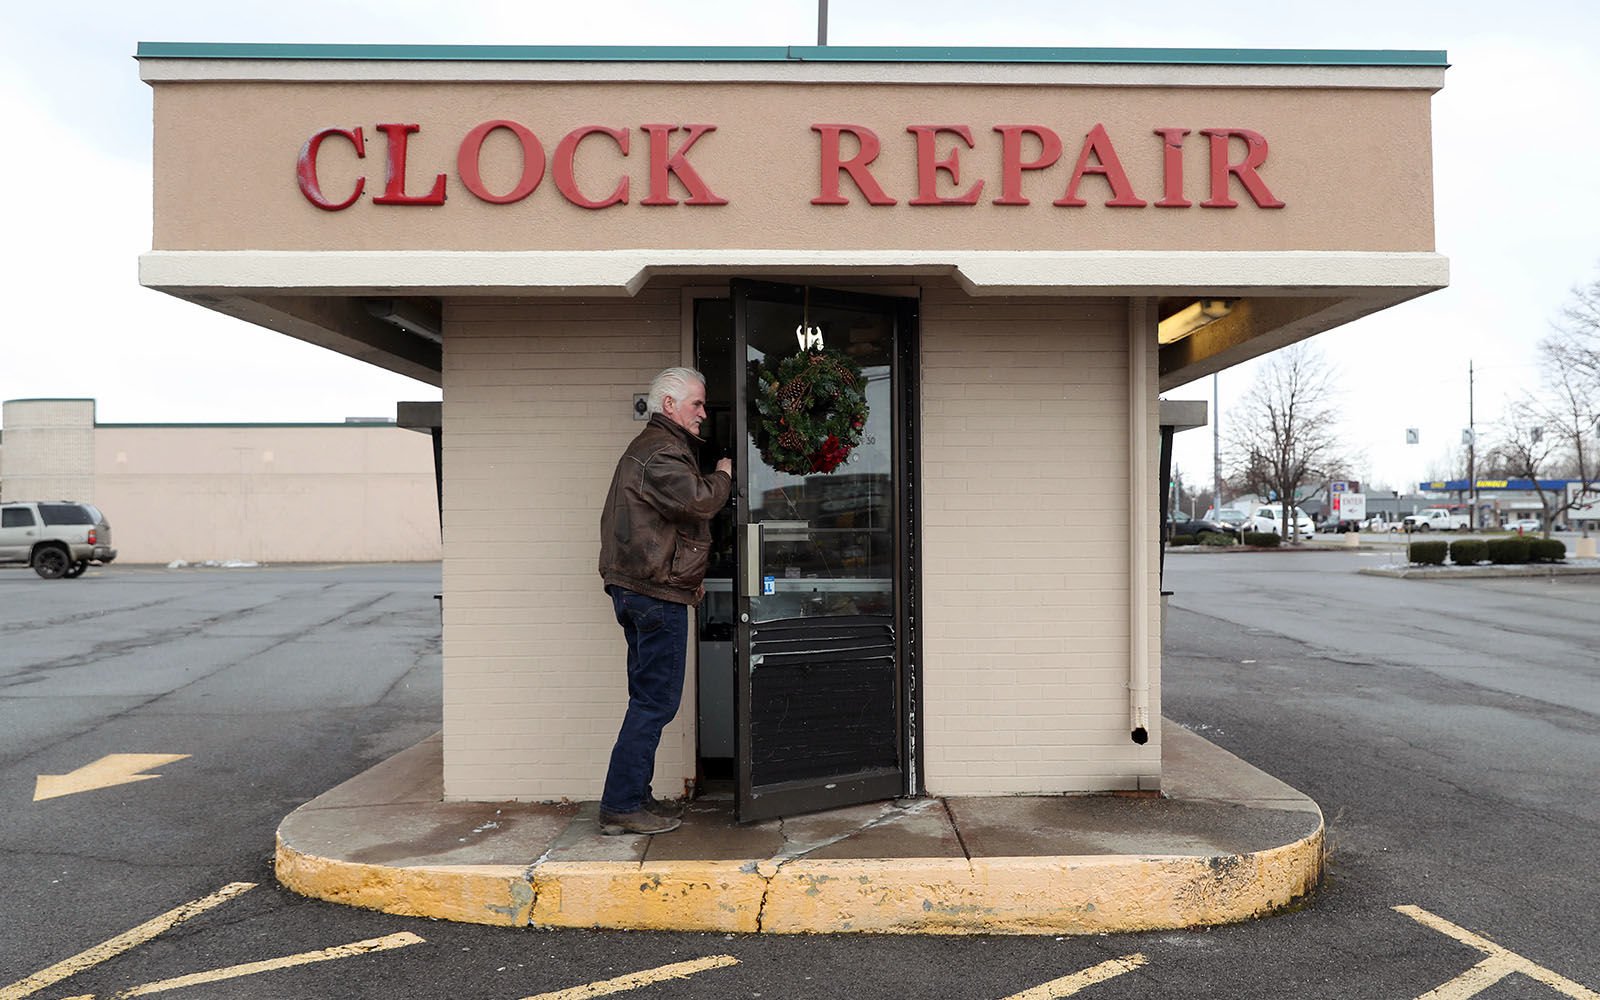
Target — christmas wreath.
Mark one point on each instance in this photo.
(808, 411)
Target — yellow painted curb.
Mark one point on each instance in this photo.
(474, 894)
(1042, 895)
(670, 896)
(1048, 895)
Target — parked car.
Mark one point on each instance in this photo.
(1237, 519)
(1437, 519)
(1179, 523)
(1269, 517)
(1524, 525)
(1336, 526)
(1380, 524)
(58, 538)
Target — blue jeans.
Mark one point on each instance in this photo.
(657, 632)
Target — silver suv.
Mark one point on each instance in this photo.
(58, 538)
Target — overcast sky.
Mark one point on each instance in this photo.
(1515, 158)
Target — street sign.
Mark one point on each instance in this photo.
(1352, 507)
(1411, 435)
(1581, 505)
(1338, 487)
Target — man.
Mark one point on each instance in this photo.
(655, 542)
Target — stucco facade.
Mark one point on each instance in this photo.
(1040, 222)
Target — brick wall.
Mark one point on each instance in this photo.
(1026, 547)
(537, 409)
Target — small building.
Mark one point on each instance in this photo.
(360, 491)
(1018, 248)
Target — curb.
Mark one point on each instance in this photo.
(1478, 572)
(1018, 895)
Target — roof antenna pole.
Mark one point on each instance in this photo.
(822, 22)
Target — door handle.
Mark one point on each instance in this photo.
(752, 559)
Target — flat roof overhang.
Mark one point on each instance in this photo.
(321, 296)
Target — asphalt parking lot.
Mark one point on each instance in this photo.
(1449, 731)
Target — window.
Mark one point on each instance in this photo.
(16, 517)
(65, 513)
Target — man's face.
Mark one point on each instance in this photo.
(688, 412)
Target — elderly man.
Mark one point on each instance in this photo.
(655, 542)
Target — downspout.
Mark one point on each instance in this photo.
(1140, 335)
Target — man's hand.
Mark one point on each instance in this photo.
(725, 465)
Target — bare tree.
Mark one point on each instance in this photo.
(1284, 433)
(1555, 433)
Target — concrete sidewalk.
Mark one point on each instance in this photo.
(1225, 843)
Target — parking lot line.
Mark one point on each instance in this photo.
(634, 980)
(1066, 986)
(1501, 962)
(112, 947)
(367, 947)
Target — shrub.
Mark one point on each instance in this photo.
(1467, 551)
(1428, 553)
(1215, 538)
(1181, 540)
(1547, 550)
(1509, 551)
(1262, 539)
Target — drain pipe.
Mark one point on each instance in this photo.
(1141, 333)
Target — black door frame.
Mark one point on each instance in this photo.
(790, 798)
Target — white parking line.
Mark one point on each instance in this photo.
(1066, 986)
(1501, 963)
(386, 943)
(634, 980)
(112, 947)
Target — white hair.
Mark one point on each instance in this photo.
(672, 382)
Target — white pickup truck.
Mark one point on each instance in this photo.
(1436, 519)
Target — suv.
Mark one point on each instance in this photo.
(58, 538)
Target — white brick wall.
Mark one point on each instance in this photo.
(1025, 526)
(537, 409)
(1026, 547)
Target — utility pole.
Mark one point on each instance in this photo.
(1472, 450)
(822, 22)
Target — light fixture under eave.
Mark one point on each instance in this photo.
(408, 316)
(1192, 317)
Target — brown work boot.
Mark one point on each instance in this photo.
(665, 808)
(638, 821)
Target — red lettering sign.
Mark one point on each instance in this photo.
(1098, 144)
(394, 189)
(306, 168)
(1255, 155)
(661, 165)
(1012, 164)
(867, 148)
(472, 147)
(566, 167)
(1172, 168)
(928, 167)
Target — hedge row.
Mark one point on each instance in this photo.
(1499, 551)
(1263, 539)
(1181, 540)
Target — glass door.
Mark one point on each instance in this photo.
(822, 709)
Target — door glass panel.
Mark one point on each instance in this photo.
(827, 540)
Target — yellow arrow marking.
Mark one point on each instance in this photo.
(112, 769)
(632, 981)
(113, 947)
(367, 947)
(1066, 986)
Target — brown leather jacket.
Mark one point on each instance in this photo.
(655, 531)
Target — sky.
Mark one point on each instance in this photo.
(1514, 159)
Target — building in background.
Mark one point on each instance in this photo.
(361, 491)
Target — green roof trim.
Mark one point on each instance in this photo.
(795, 53)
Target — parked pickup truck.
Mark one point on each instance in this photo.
(1436, 519)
